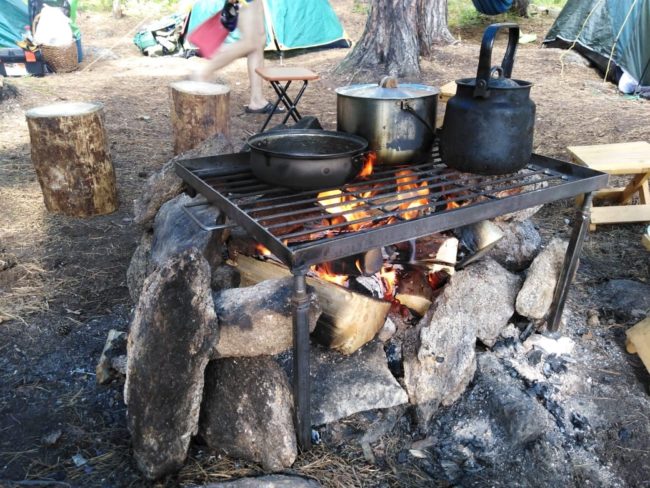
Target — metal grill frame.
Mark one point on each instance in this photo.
(574, 181)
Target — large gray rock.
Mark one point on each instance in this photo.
(521, 416)
(439, 357)
(257, 320)
(520, 244)
(173, 332)
(271, 481)
(626, 299)
(247, 411)
(165, 185)
(140, 266)
(344, 385)
(536, 295)
(174, 232)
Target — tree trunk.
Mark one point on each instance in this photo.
(71, 158)
(432, 25)
(521, 7)
(397, 33)
(117, 9)
(389, 42)
(199, 111)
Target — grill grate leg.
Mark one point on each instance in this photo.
(301, 394)
(580, 227)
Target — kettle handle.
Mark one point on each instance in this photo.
(485, 59)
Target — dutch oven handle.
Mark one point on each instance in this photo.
(485, 60)
(406, 106)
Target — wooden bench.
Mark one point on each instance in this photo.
(447, 91)
(628, 158)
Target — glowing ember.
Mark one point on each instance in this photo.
(452, 205)
(262, 250)
(324, 272)
(389, 277)
(408, 188)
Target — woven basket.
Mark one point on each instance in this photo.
(61, 59)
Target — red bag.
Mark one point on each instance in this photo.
(209, 36)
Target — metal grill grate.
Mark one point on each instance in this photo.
(301, 228)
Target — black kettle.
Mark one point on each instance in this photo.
(488, 124)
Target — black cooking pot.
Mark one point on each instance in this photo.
(488, 124)
(306, 159)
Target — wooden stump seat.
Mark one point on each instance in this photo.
(199, 111)
(71, 158)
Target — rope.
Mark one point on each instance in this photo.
(611, 54)
(119, 41)
(575, 41)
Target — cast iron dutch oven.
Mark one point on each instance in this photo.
(397, 120)
(306, 159)
(488, 125)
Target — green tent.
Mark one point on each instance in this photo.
(14, 16)
(290, 24)
(610, 33)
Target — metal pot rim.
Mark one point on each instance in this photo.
(399, 93)
(360, 141)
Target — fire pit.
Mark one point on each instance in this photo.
(389, 205)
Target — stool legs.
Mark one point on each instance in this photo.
(285, 99)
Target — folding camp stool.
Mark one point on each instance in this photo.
(629, 158)
(275, 76)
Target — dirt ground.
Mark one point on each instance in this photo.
(63, 280)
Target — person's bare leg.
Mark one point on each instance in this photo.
(251, 44)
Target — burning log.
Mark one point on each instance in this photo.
(349, 319)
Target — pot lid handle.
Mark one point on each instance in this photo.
(484, 71)
(388, 82)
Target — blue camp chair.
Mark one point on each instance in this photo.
(492, 7)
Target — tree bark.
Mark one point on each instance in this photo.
(396, 34)
(71, 158)
(199, 111)
(521, 7)
(432, 25)
(389, 42)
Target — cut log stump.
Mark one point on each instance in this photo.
(199, 111)
(71, 158)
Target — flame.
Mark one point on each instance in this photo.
(389, 277)
(368, 165)
(452, 205)
(262, 250)
(324, 272)
(408, 188)
(342, 202)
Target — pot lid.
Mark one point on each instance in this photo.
(392, 91)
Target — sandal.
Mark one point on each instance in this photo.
(266, 109)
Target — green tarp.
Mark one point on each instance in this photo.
(290, 24)
(599, 25)
(14, 16)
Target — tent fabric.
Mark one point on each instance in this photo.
(492, 7)
(14, 16)
(597, 25)
(290, 24)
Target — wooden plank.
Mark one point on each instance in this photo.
(609, 193)
(634, 186)
(638, 340)
(447, 91)
(620, 214)
(623, 158)
(644, 194)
